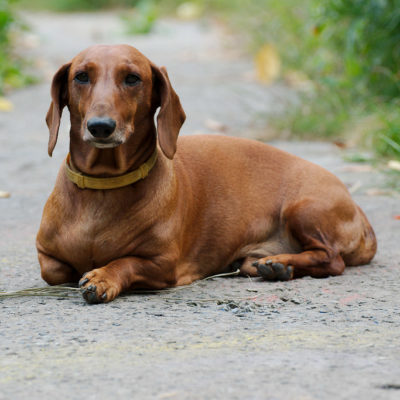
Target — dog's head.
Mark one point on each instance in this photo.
(111, 93)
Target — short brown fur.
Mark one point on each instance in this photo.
(211, 203)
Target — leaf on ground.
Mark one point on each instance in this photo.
(353, 188)
(6, 105)
(357, 168)
(189, 11)
(268, 63)
(215, 125)
(4, 195)
(376, 192)
(393, 164)
(340, 144)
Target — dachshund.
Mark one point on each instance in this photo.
(134, 207)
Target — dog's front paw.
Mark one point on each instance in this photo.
(97, 287)
(272, 270)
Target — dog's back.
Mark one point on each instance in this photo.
(253, 187)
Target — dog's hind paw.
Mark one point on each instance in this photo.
(273, 271)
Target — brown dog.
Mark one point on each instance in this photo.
(212, 203)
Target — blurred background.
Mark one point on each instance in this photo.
(318, 78)
(334, 63)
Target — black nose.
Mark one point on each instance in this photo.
(101, 127)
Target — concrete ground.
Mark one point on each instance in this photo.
(236, 338)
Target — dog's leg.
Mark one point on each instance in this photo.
(55, 272)
(104, 284)
(315, 263)
(321, 233)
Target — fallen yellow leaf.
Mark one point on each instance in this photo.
(5, 105)
(188, 11)
(357, 168)
(393, 164)
(215, 126)
(4, 195)
(376, 192)
(268, 63)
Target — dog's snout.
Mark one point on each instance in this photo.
(101, 127)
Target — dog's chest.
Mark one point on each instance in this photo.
(94, 233)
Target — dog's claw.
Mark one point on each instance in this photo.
(90, 294)
(83, 282)
(272, 271)
(265, 271)
(96, 290)
(88, 289)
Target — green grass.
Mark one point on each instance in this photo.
(139, 17)
(386, 138)
(75, 5)
(12, 67)
(142, 18)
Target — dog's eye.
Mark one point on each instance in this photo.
(82, 77)
(132, 80)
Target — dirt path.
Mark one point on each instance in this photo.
(236, 338)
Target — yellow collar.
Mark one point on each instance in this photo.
(90, 182)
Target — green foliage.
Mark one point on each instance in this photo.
(363, 38)
(142, 18)
(366, 33)
(350, 50)
(387, 136)
(76, 5)
(322, 112)
(139, 20)
(6, 21)
(11, 68)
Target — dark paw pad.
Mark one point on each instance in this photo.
(274, 271)
(90, 295)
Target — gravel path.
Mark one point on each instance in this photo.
(235, 338)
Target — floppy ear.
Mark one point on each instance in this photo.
(171, 116)
(59, 97)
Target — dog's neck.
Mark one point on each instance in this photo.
(114, 161)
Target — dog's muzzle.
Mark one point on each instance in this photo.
(101, 128)
(101, 133)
